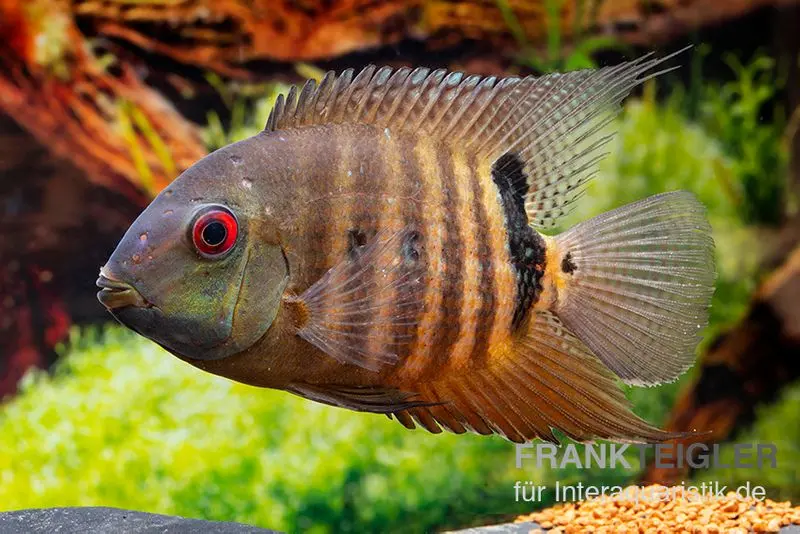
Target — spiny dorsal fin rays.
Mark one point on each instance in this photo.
(554, 123)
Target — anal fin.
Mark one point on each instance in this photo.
(545, 379)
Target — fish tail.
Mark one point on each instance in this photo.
(634, 284)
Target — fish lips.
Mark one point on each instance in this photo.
(116, 294)
(126, 304)
(133, 311)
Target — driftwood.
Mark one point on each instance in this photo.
(222, 35)
(87, 147)
(57, 229)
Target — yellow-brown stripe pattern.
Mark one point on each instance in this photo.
(390, 171)
(472, 215)
(431, 222)
(448, 330)
(503, 291)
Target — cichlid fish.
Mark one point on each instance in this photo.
(377, 247)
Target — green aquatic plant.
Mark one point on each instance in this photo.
(135, 128)
(248, 105)
(750, 129)
(122, 423)
(559, 56)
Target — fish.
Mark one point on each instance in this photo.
(382, 246)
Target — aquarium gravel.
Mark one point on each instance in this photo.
(656, 509)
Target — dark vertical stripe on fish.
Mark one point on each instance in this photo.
(411, 213)
(448, 328)
(487, 289)
(430, 224)
(362, 222)
(526, 246)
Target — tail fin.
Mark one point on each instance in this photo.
(635, 284)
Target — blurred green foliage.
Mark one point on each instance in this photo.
(249, 106)
(734, 113)
(123, 423)
(556, 57)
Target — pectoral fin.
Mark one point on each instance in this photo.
(363, 309)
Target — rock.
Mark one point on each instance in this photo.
(102, 520)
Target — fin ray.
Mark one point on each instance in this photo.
(641, 286)
(350, 296)
(547, 380)
(373, 399)
(553, 123)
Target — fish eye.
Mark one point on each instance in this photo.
(214, 232)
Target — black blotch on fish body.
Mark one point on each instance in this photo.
(410, 247)
(356, 239)
(567, 265)
(526, 246)
(509, 176)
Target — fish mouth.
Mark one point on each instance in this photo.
(115, 294)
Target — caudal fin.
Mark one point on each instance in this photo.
(635, 285)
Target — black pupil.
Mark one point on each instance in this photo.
(214, 233)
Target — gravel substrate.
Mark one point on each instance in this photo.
(656, 509)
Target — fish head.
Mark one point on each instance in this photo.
(201, 271)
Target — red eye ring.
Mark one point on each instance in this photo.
(214, 232)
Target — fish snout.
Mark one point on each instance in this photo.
(115, 294)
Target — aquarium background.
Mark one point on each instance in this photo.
(103, 103)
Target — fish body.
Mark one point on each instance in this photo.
(378, 248)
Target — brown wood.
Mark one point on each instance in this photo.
(225, 34)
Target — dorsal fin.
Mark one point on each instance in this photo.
(554, 124)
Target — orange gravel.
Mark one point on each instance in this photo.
(676, 511)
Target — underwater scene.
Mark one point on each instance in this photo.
(400, 266)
